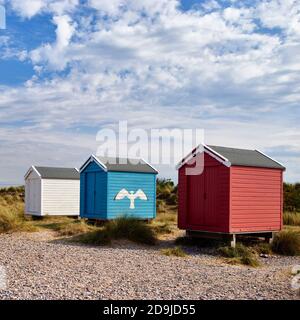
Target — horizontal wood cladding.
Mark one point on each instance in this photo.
(144, 209)
(255, 199)
(60, 197)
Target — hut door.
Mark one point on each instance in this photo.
(210, 196)
(97, 193)
(195, 199)
(90, 193)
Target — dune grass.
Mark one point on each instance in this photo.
(291, 218)
(263, 248)
(12, 211)
(166, 192)
(12, 217)
(63, 226)
(176, 252)
(165, 222)
(240, 255)
(287, 242)
(121, 228)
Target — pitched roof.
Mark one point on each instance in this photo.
(237, 157)
(122, 164)
(247, 157)
(58, 173)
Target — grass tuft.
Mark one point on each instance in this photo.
(239, 255)
(121, 228)
(12, 211)
(287, 243)
(161, 228)
(73, 228)
(291, 218)
(176, 252)
(165, 221)
(263, 248)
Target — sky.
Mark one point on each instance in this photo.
(69, 68)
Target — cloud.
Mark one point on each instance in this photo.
(282, 14)
(53, 54)
(233, 71)
(28, 8)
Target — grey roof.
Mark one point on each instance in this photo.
(126, 165)
(246, 157)
(58, 173)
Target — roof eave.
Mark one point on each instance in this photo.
(89, 160)
(32, 168)
(282, 166)
(209, 151)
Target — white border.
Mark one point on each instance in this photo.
(32, 168)
(91, 159)
(95, 158)
(150, 165)
(209, 151)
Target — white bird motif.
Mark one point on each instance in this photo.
(131, 195)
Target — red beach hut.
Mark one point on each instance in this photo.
(238, 192)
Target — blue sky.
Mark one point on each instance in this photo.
(69, 68)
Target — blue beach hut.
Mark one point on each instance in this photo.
(113, 187)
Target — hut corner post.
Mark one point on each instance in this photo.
(233, 241)
(270, 237)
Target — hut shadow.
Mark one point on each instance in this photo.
(121, 244)
(193, 248)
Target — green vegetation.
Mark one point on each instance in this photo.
(240, 255)
(12, 217)
(291, 218)
(161, 228)
(287, 243)
(166, 192)
(64, 226)
(165, 222)
(176, 252)
(291, 197)
(121, 228)
(12, 211)
(14, 191)
(263, 248)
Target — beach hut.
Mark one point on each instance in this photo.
(238, 192)
(113, 187)
(52, 191)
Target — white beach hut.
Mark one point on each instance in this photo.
(52, 191)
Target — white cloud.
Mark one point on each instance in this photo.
(54, 54)
(111, 7)
(156, 66)
(64, 31)
(282, 14)
(28, 8)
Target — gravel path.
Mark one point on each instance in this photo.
(38, 268)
